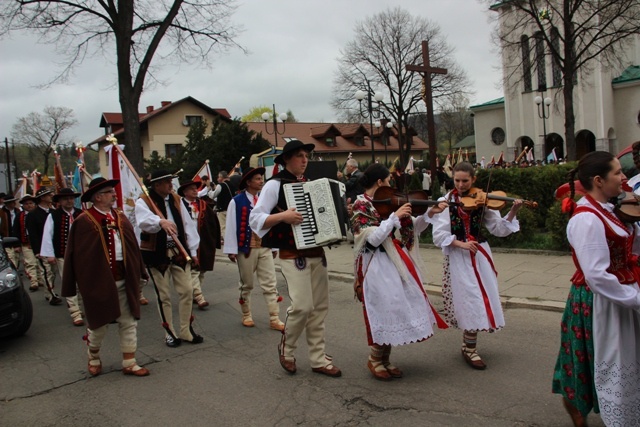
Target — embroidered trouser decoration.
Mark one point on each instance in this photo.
(46, 279)
(485, 297)
(165, 324)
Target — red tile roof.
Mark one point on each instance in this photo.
(115, 119)
(345, 138)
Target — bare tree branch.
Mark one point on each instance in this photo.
(377, 56)
(134, 32)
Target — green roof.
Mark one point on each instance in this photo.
(496, 101)
(630, 74)
(500, 3)
(467, 142)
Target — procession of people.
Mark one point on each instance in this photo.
(173, 240)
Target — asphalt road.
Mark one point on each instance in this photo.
(234, 378)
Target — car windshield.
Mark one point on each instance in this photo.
(628, 167)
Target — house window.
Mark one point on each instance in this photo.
(497, 136)
(526, 62)
(330, 141)
(359, 140)
(172, 150)
(541, 64)
(556, 72)
(192, 120)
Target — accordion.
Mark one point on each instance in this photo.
(322, 205)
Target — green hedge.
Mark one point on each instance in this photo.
(536, 184)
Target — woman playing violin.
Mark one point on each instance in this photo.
(470, 284)
(389, 283)
(598, 365)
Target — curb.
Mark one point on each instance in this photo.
(436, 290)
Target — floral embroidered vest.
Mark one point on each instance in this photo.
(622, 260)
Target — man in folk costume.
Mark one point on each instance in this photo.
(160, 252)
(102, 261)
(304, 270)
(243, 247)
(35, 227)
(224, 192)
(28, 203)
(12, 213)
(54, 241)
(209, 231)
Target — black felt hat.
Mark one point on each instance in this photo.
(64, 192)
(96, 185)
(291, 146)
(246, 176)
(161, 175)
(185, 185)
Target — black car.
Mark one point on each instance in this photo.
(16, 311)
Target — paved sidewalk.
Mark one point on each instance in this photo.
(526, 278)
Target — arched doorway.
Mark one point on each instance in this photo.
(554, 141)
(585, 143)
(525, 142)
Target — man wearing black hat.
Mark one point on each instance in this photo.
(209, 231)
(54, 241)
(102, 260)
(28, 203)
(304, 270)
(163, 257)
(35, 228)
(243, 247)
(224, 192)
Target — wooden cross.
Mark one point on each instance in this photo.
(427, 70)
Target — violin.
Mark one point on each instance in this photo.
(387, 200)
(476, 198)
(627, 207)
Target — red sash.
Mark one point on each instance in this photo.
(412, 270)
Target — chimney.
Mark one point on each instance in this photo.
(165, 103)
(149, 109)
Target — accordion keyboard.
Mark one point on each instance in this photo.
(321, 220)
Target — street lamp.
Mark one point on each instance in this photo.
(543, 113)
(385, 141)
(372, 111)
(283, 118)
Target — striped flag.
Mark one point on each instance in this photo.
(129, 190)
(203, 171)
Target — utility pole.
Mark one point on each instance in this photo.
(8, 170)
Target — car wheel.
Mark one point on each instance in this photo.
(27, 315)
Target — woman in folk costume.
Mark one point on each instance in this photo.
(598, 366)
(389, 284)
(470, 282)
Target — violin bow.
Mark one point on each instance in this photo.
(485, 208)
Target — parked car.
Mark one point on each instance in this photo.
(16, 311)
(628, 168)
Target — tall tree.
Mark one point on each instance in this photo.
(175, 31)
(455, 121)
(383, 45)
(45, 131)
(227, 143)
(255, 114)
(578, 35)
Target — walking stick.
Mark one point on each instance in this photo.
(156, 210)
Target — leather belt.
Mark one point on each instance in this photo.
(301, 253)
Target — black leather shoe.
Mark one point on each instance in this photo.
(197, 339)
(56, 300)
(173, 342)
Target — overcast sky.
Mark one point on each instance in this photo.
(293, 48)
